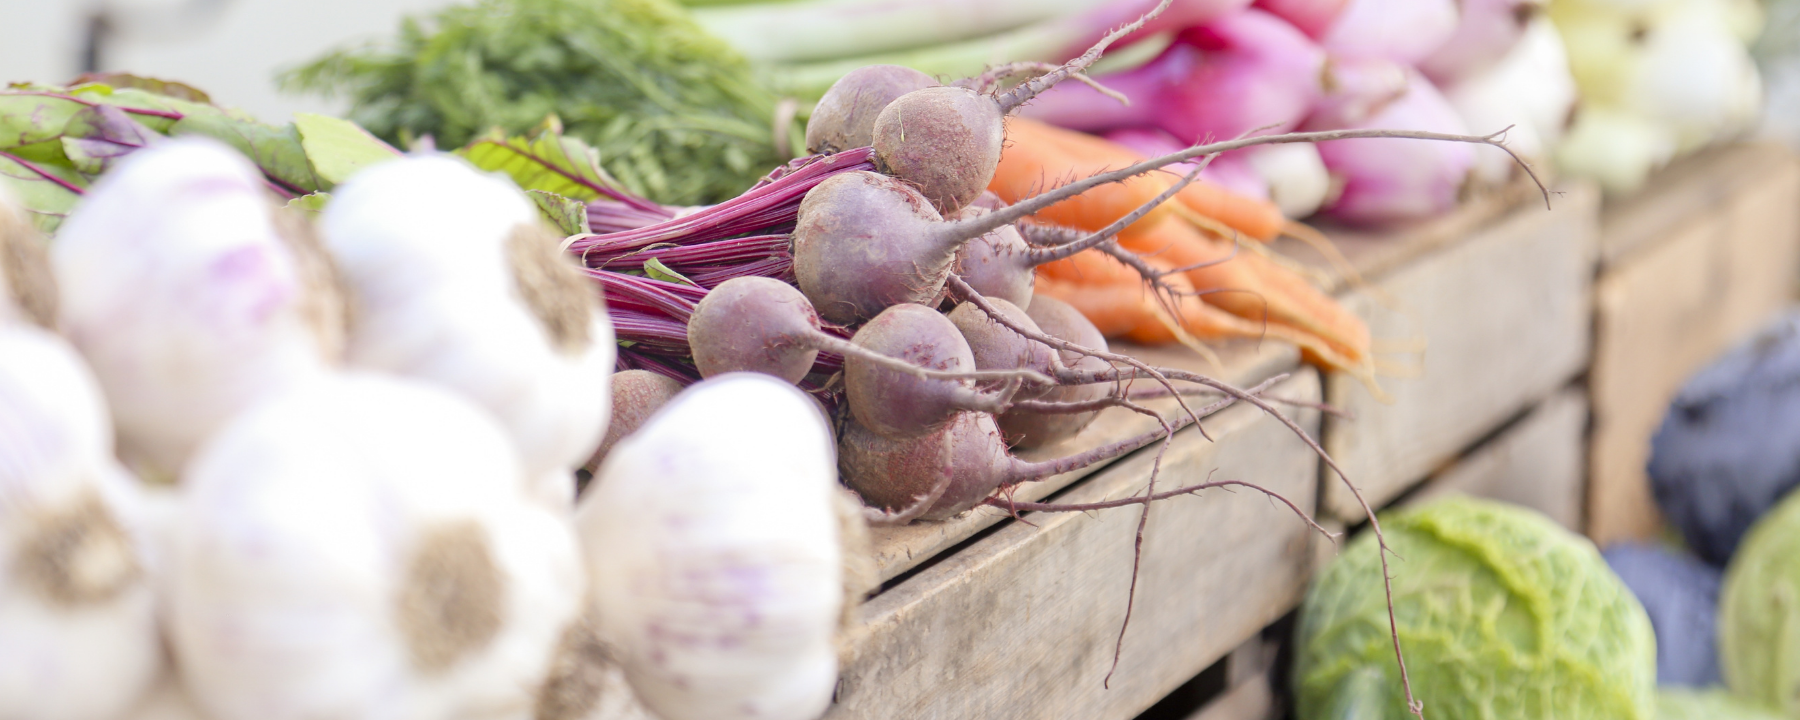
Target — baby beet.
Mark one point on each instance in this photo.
(756, 324)
(1024, 429)
(895, 405)
(945, 140)
(866, 241)
(845, 116)
(997, 347)
(636, 395)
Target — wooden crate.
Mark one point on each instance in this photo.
(1538, 461)
(1022, 622)
(1496, 299)
(1698, 260)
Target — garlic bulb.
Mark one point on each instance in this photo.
(27, 286)
(359, 547)
(78, 636)
(1616, 148)
(712, 543)
(457, 282)
(190, 297)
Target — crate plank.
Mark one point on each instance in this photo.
(1022, 622)
(1504, 316)
(1538, 462)
(1674, 303)
(899, 549)
(1690, 187)
(1253, 699)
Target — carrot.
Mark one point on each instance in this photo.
(1033, 162)
(1258, 219)
(1251, 286)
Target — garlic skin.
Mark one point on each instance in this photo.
(713, 548)
(186, 299)
(78, 633)
(360, 547)
(457, 282)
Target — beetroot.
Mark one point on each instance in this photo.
(896, 405)
(997, 347)
(845, 116)
(1026, 429)
(636, 395)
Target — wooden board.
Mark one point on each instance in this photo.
(1693, 186)
(1021, 623)
(1501, 317)
(1673, 303)
(1539, 462)
(899, 549)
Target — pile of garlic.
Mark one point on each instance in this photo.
(254, 469)
(1658, 78)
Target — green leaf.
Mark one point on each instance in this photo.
(277, 150)
(99, 136)
(547, 161)
(310, 204)
(167, 88)
(567, 214)
(43, 190)
(337, 147)
(27, 118)
(655, 269)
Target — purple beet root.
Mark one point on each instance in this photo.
(894, 404)
(997, 347)
(754, 324)
(865, 242)
(1024, 429)
(636, 395)
(845, 116)
(945, 140)
(999, 264)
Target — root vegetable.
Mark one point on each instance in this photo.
(191, 297)
(947, 140)
(77, 612)
(1024, 429)
(1403, 31)
(360, 546)
(457, 283)
(898, 404)
(1389, 180)
(995, 347)
(713, 544)
(1486, 32)
(636, 395)
(845, 116)
(998, 263)
(1313, 17)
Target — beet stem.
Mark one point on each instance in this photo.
(1029, 89)
(986, 81)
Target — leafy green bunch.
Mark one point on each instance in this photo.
(675, 114)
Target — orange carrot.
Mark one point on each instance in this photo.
(1251, 286)
(1258, 219)
(1033, 162)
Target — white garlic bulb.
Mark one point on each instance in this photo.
(456, 281)
(189, 297)
(360, 547)
(712, 543)
(78, 634)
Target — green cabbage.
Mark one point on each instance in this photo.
(1503, 615)
(1759, 611)
(1678, 703)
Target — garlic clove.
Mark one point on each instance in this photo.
(712, 542)
(77, 612)
(360, 547)
(466, 289)
(182, 292)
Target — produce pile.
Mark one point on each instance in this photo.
(308, 412)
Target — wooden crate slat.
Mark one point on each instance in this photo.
(899, 549)
(1672, 305)
(1504, 316)
(1022, 623)
(1538, 462)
